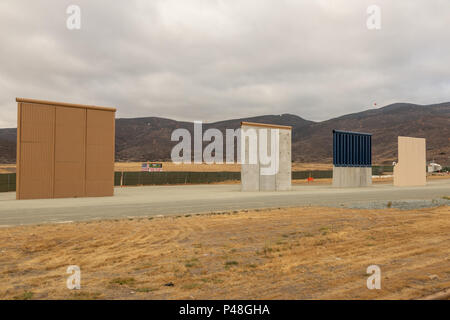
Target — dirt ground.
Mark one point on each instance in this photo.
(293, 253)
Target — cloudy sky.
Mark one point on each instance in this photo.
(219, 59)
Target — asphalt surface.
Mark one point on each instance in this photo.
(175, 200)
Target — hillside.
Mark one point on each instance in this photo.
(386, 124)
(142, 139)
(8, 142)
(149, 138)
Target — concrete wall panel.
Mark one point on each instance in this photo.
(266, 182)
(284, 175)
(352, 177)
(249, 172)
(254, 176)
(250, 177)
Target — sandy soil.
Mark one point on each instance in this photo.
(295, 253)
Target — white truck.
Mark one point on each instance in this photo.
(434, 167)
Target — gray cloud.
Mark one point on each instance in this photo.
(211, 60)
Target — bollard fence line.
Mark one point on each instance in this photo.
(8, 180)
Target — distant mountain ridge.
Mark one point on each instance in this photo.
(386, 124)
(148, 139)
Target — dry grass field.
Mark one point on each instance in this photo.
(295, 253)
(7, 168)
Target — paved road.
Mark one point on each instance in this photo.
(174, 200)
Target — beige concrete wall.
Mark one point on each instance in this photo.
(253, 177)
(410, 169)
(352, 177)
(249, 172)
(284, 175)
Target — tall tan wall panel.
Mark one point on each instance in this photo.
(253, 177)
(35, 160)
(70, 160)
(100, 153)
(411, 167)
(64, 150)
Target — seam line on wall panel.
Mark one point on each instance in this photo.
(85, 150)
(114, 148)
(54, 151)
(18, 150)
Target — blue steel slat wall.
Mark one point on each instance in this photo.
(352, 149)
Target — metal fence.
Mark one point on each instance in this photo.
(161, 178)
(316, 174)
(379, 170)
(7, 182)
(352, 149)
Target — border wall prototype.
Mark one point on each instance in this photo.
(258, 142)
(352, 159)
(411, 167)
(64, 150)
